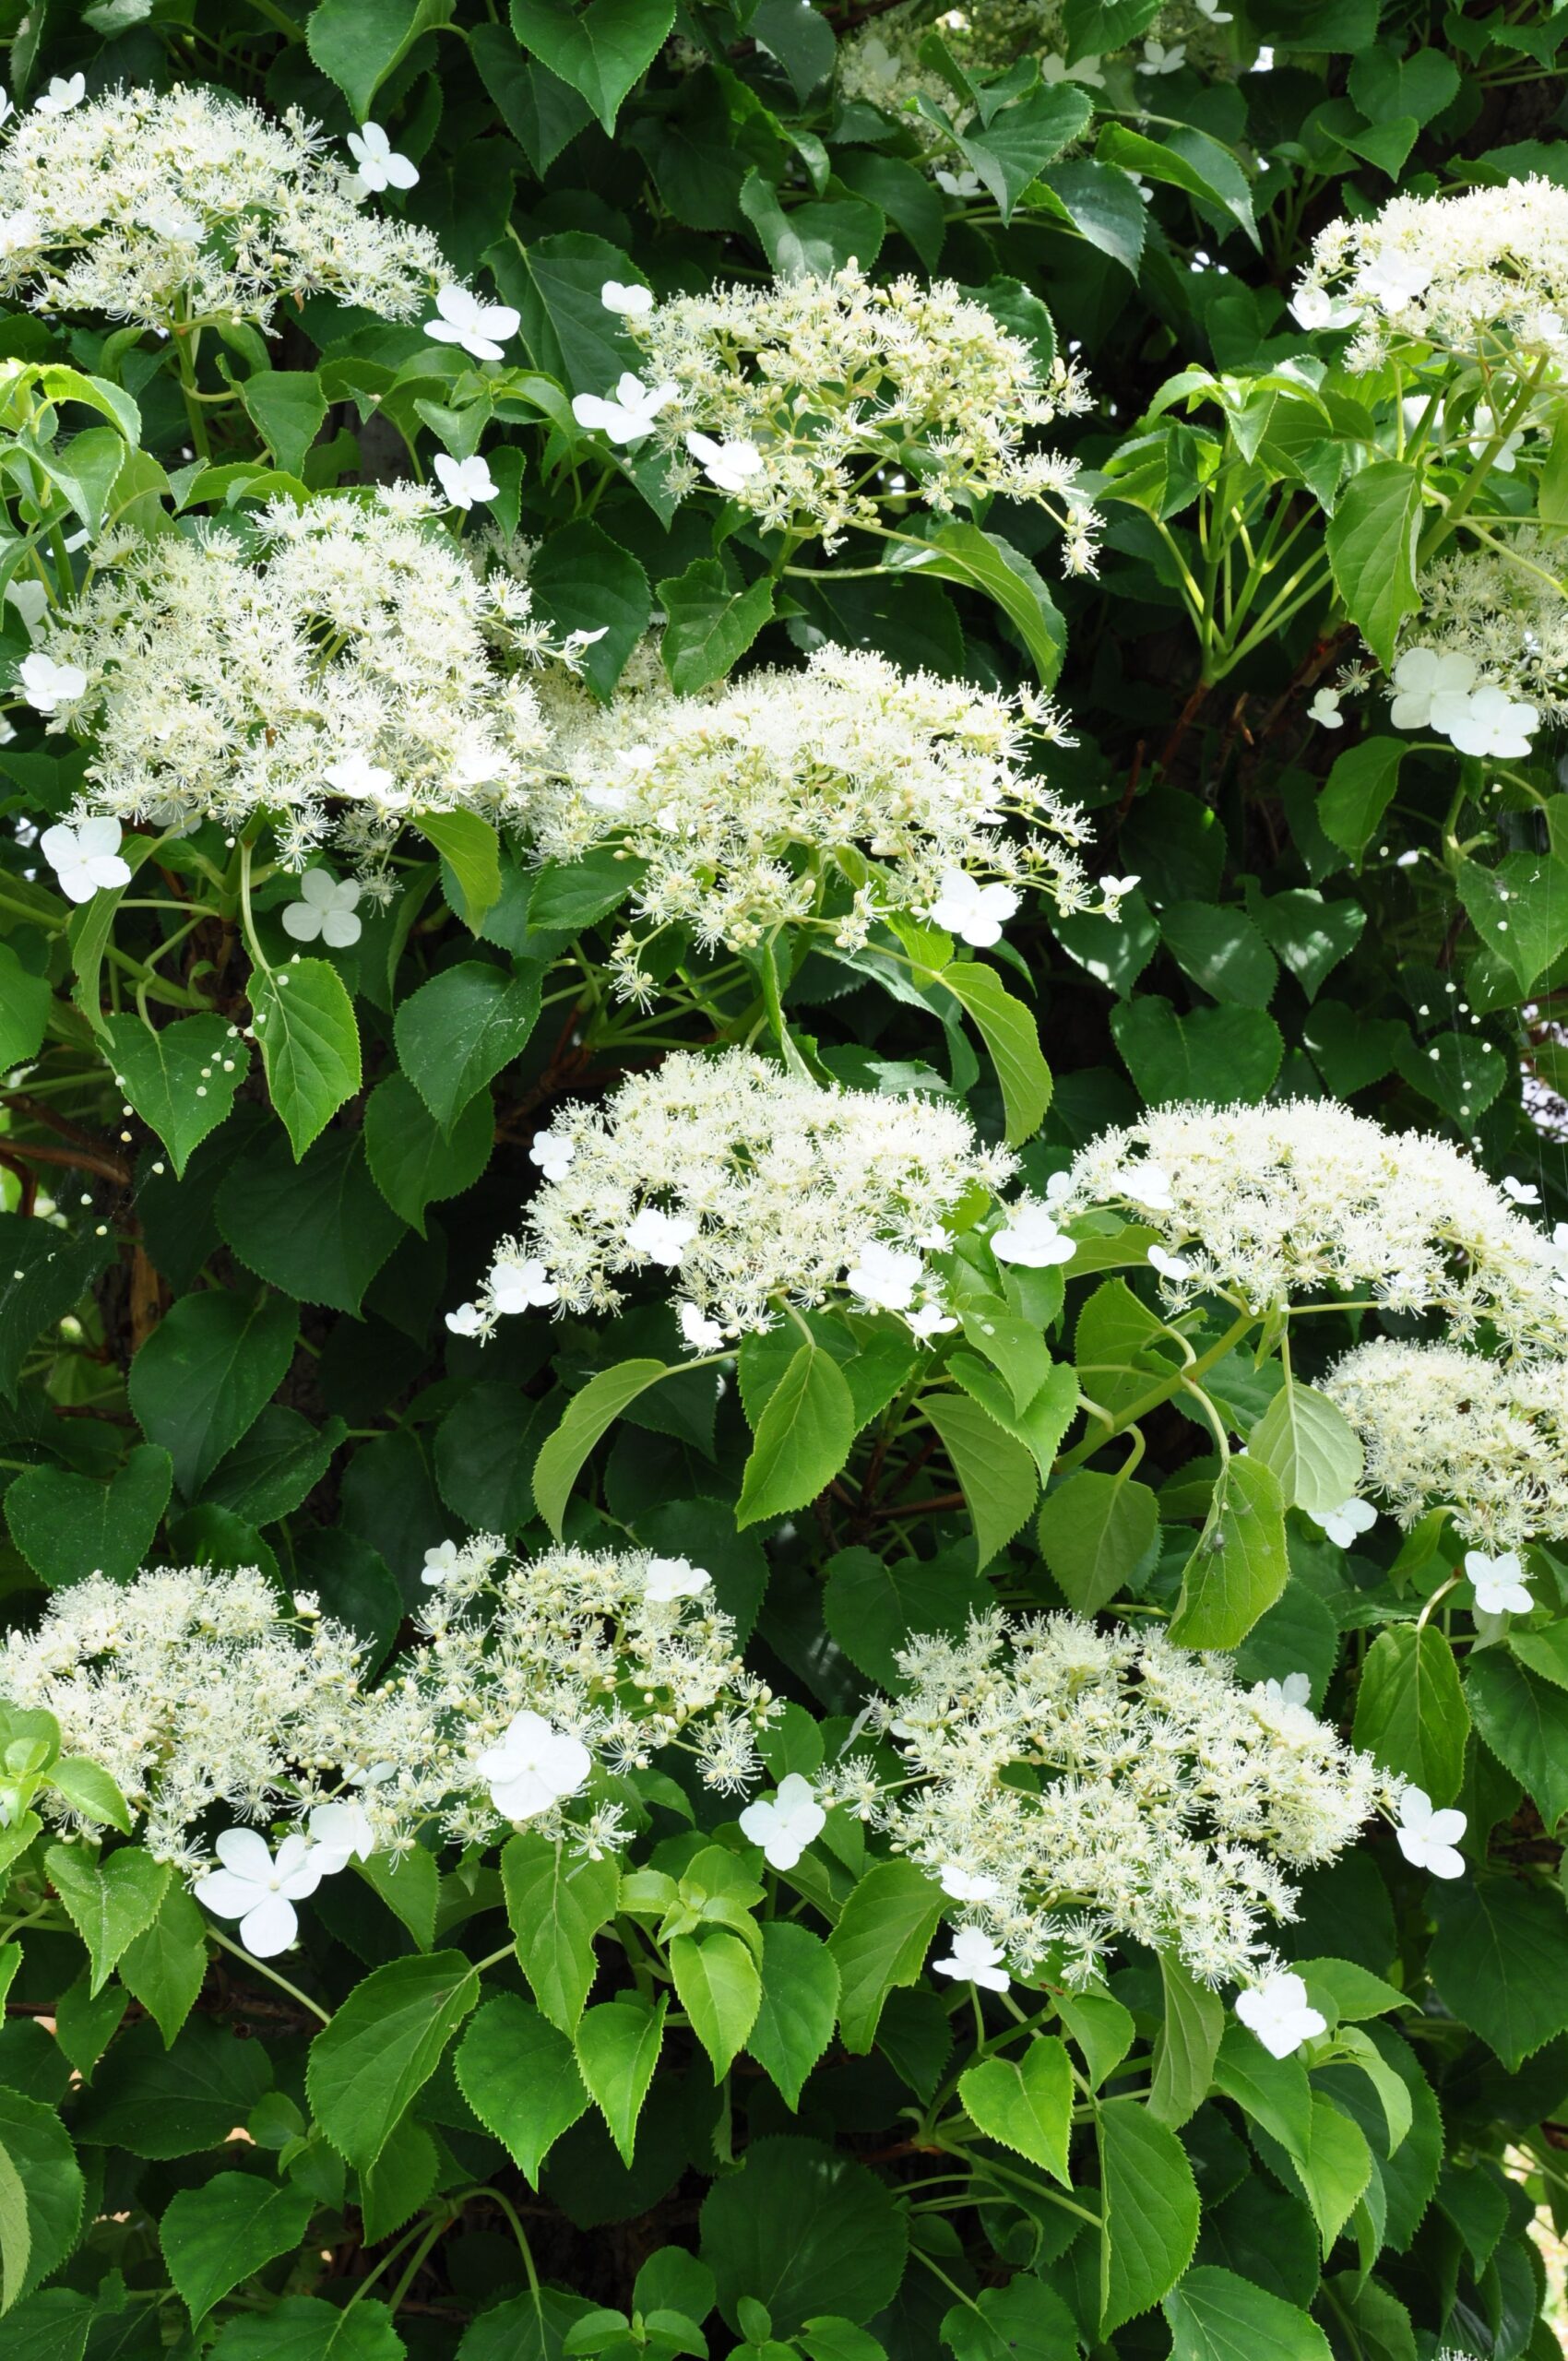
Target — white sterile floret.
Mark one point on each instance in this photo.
(48, 685)
(975, 1958)
(1442, 1426)
(1174, 1267)
(65, 92)
(1499, 1583)
(340, 665)
(1497, 618)
(975, 913)
(465, 480)
(626, 415)
(670, 1578)
(1324, 710)
(631, 299)
(533, 1767)
(785, 1822)
(789, 396)
(480, 328)
(468, 1320)
(552, 1155)
(752, 1183)
(1277, 2011)
(340, 1833)
(961, 1885)
(1429, 1838)
(1295, 1688)
(887, 1275)
(324, 910)
(86, 859)
(1030, 1237)
(1483, 274)
(1519, 1193)
(259, 1890)
(1279, 1204)
(186, 206)
(1345, 1524)
(380, 165)
(439, 1562)
(1495, 726)
(1431, 691)
(1159, 1801)
(929, 1320)
(520, 1282)
(761, 803)
(701, 1335)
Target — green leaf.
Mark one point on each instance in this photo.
(1461, 1073)
(1216, 1055)
(162, 1073)
(410, 1884)
(1223, 951)
(24, 1010)
(302, 2327)
(383, 2045)
(1104, 207)
(217, 2236)
(1500, 1960)
(958, 552)
(542, 113)
(1185, 158)
(600, 49)
(357, 42)
(872, 1605)
(567, 328)
(1027, 2103)
(1094, 1531)
(996, 1473)
(165, 1967)
(814, 240)
(1372, 549)
(109, 1904)
(584, 581)
(1410, 1709)
(804, 1437)
(309, 1042)
(617, 2048)
(1216, 2315)
(43, 1272)
(39, 2156)
(520, 2075)
(89, 1790)
(316, 1228)
(602, 1402)
(204, 1375)
(570, 895)
(471, 849)
(799, 2005)
(802, 2232)
(1009, 1032)
(287, 407)
(1188, 2046)
(880, 1942)
(1360, 788)
(1312, 1448)
(555, 1905)
(801, 39)
(1520, 910)
(1239, 1567)
(412, 1161)
(1310, 935)
(1525, 1722)
(457, 1032)
(68, 1526)
(708, 624)
(717, 1985)
(1150, 2211)
(160, 2104)
(1019, 141)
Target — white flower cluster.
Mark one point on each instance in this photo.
(530, 1683)
(533, 1677)
(1482, 275)
(192, 1689)
(1486, 659)
(353, 670)
(752, 1187)
(827, 796)
(170, 209)
(815, 402)
(1069, 1785)
(1270, 1204)
(1443, 1427)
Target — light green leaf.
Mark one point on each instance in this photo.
(717, 1985)
(958, 552)
(287, 407)
(1027, 2103)
(1410, 1709)
(383, 2045)
(471, 849)
(1093, 1532)
(519, 2075)
(996, 1473)
(1372, 549)
(1217, 2316)
(89, 1789)
(804, 1437)
(1311, 1446)
(1150, 2211)
(587, 1415)
(109, 1904)
(617, 2048)
(1188, 2044)
(162, 1073)
(309, 1042)
(708, 624)
(881, 1940)
(1239, 1567)
(799, 2004)
(165, 1967)
(1361, 787)
(555, 1905)
(24, 1010)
